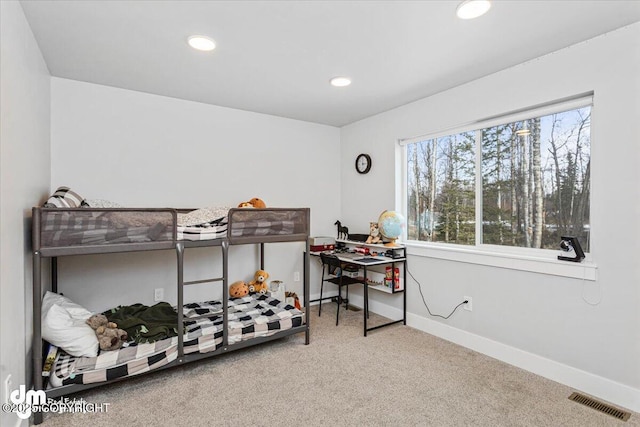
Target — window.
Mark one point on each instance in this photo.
(441, 189)
(521, 180)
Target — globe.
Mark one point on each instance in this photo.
(391, 224)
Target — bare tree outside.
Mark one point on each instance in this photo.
(441, 189)
(535, 183)
(549, 185)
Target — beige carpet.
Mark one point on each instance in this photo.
(396, 376)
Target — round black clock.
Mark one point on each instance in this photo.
(363, 163)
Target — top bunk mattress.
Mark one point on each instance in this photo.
(98, 230)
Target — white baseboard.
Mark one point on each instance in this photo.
(377, 307)
(594, 385)
(602, 388)
(324, 295)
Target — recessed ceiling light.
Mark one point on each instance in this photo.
(201, 43)
(340, 81)
(470, 9)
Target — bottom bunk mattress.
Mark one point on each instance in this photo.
(248, 317)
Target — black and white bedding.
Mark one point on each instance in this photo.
(248, 317)
(212, 223)
(62, 227)
(267, 222)
(203, 224)
(246, 223)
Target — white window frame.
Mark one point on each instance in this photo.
(542, 261)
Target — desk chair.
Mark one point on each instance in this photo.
(332, 265)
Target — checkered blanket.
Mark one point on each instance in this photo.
(250, 316)
(262, 228)
(259, 316)
(63, 228)
(60, 227)
(214, 229)
(202, 335)
(267, 222)
(217, 229)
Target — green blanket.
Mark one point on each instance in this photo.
(144, 323)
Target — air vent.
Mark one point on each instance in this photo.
(599, 406)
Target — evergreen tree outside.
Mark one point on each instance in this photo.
(441, 189)
(535, 183)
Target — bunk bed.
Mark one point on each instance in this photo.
(204, 329)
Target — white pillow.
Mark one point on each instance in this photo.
(64, 325)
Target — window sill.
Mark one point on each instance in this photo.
(578, 270)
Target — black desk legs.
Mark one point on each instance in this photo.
(339, 300)
(404, 296)
(366, 301)
(321, 289)
(404, 301)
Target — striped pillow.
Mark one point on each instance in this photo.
(64, 198)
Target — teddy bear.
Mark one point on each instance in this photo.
(259, 282)
(109, 336)
(253, 203)
(238, 289)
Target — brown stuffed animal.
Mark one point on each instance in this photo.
(238, 289)
(109, 336)
(253, 203)
(259, 282)
(291, 298)
(374, 233)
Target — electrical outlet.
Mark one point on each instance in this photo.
(469, 305)
(158, 294)
(296, 276)
(8, 385)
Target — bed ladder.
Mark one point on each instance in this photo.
(180, 247)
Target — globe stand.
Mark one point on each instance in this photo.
(392, 243)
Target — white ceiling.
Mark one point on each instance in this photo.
(276, 57)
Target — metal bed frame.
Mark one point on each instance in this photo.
(39, 253)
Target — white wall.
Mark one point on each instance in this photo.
(24, 182)
(152, 151)
(536, 321)
(145, 150)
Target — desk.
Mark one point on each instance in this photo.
(368, 261)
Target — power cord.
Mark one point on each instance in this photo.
(597, 285)
(425, 302)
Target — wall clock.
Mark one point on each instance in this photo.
(363, 163)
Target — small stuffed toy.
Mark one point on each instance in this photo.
(109, 336)
(374, 233)
(259, 282)
(238, 289)
(291, 298)
(253, 203)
